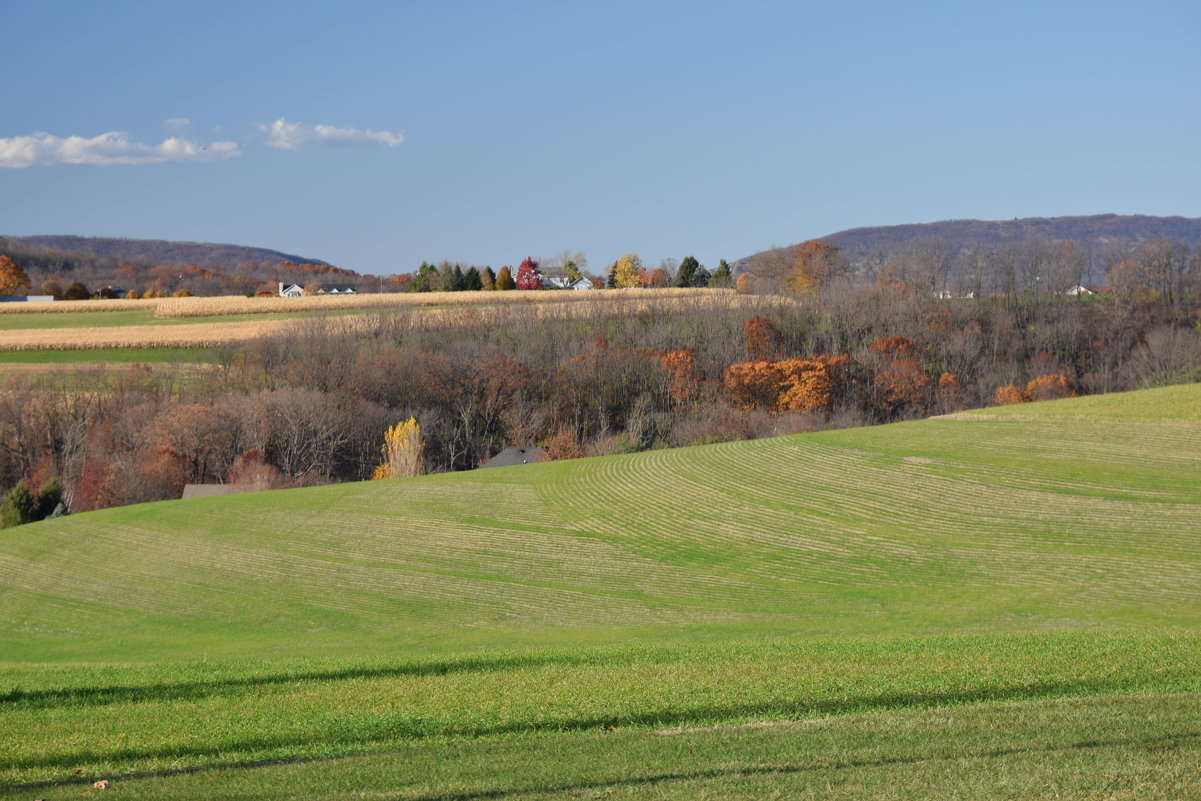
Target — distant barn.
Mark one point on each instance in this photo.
(510, 457)
(209, 490)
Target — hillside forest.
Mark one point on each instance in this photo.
(827, 349)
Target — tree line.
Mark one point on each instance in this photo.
(312, 405)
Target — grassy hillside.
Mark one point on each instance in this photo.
(466, 628)
(1019, 522)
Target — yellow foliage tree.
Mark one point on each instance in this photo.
(627, 272)
(402, 451)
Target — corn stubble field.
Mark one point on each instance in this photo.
(212, 322)
(1004, 604)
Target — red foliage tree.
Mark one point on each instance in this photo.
(764, 342)
(528, 276)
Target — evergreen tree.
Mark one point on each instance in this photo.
(611, 283)
(455, 281)
(421, 279)
(472, 281)
(49, 500)
(701, 277)
(687, 272)
(488, 279)
(721, 278)
(17, 507)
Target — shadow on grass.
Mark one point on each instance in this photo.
(650, 780)
(258, 750)
(198, 690)
(785, 770)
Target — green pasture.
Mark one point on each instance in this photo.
(1002, 605)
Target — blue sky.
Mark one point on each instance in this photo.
(375, 135)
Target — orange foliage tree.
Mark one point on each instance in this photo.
(949, 393)
(764, 342)
(1008, 395)
(683, 379)
(1050, 387)
(789, 385)
(814, 264)
(901, 382)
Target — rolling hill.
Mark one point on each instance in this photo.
(973, 605)
(158, 251)
(1088, 231)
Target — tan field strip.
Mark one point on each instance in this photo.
(200, 335)
(411, 313)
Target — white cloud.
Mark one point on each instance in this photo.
(284, 135)
(177, 123)
(43, 149)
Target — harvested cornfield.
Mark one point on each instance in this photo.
(168, 328)
(69, 306)
(233, 305)
(199, 335)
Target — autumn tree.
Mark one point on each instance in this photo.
(949, 393)
(627, 272)
(1050, 387)
(683, 378)
(788, 385)
(13, 280)
(528, 276)
(563, 444)
(52, 288)
(805, 386)
(251, 469)
(1008, 395)
(402, 450)
(901, 383)
(815, 263)
(764, 342)
(504, 280)
(487, 279)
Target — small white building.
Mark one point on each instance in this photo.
(561, 282)
(1079, 290)
(290, 290)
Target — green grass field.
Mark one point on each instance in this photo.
(994, 607)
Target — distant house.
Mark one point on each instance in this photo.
(511, 457)
(27, 299)
(290, 290)
(336, 290)
(1079, 290)
(562, 282)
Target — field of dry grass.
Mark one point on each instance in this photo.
(418, 311)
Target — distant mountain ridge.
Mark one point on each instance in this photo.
(1088, 231)
(159, 251)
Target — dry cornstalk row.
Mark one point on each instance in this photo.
(220, 306)
(575, 306)
(68, 306)
(200, 335)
